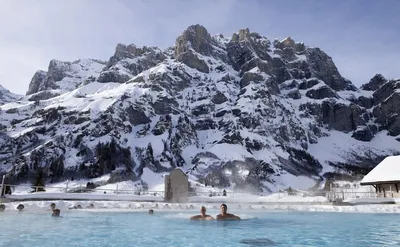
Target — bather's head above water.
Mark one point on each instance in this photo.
(203, 211)
(151, 212)
(224, 209)
(2, 207)
(203, 215)
(53, 206)
(224, 214)
(20, 207)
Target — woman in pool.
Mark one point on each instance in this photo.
(202, 215)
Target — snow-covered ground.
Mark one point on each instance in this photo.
(231, 198)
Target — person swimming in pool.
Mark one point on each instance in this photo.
(20, 207)
(224, 215)
(56, 213)
(202, 215)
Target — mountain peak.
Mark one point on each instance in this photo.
(288, 42)
(133, 49)
(195, 37)
(375, 83)
(64, 76)
(6, 96)
(240, 35)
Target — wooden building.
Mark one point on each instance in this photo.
(385, 178)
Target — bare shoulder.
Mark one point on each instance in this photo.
(232, 217)
(209, 217)
(196, 217)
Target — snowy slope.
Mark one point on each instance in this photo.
(242, 113)
(63, 76)
(6, 96)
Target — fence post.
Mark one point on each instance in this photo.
(2, 191)
(279, 192)
(66, 187)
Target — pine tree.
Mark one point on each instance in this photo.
(57, 168)
(150, 149)
(127, 159)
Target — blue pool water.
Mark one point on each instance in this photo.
(123, 229)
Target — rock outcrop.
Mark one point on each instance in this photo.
(63, 77)
(6, 96)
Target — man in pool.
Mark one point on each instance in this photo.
(56, 213)
(224, 215)
(151, 212)
(202, 215)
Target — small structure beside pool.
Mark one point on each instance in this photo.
(176, 186)
(385, 178)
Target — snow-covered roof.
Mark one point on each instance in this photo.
(386, 171)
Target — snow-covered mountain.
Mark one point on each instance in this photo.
(241, 111)
(6, 96)
(62, 77)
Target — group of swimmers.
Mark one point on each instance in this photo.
(203, 216)
(224, 215)
(55, 212)
(20, 207)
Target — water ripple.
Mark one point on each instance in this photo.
(123, 229)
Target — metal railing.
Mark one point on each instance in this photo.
(344, 193)
(84, 189)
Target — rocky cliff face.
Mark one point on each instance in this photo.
(6, 96)
(62, 77)
(241, 111)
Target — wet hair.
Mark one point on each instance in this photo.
(20, 207)
(203, 207)
(151, 211)
(224, 205)
(53, 205)
(2, 207)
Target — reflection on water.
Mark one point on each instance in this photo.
(258, 242)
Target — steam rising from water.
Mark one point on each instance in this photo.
(239, 209)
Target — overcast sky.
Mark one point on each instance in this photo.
(362, 36)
